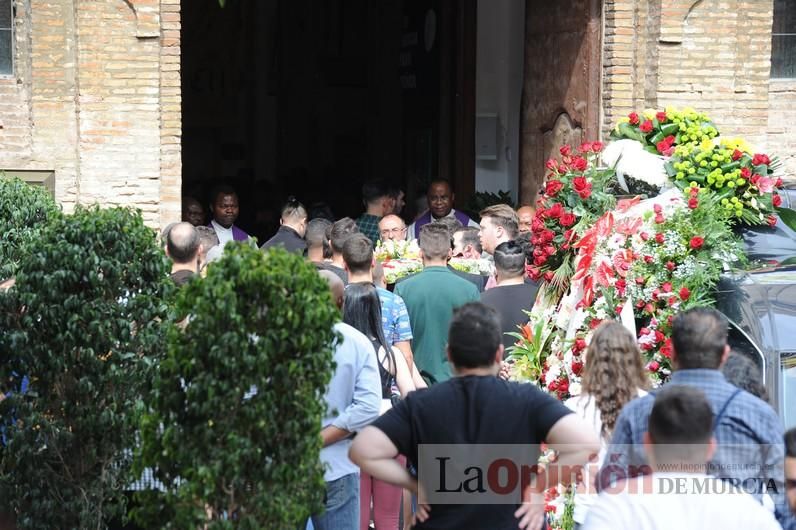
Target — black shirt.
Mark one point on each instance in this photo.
(510, 301)
(471, 410)
(288, 238)
(181, 277)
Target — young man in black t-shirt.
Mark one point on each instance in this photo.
(474, 407)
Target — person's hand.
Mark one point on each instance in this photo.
(422, 513)
(531, 512)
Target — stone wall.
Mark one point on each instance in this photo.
(712, 56)
(96, 99)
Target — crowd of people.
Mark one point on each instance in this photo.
(423, 362)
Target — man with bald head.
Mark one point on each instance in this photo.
(183, 247)
(440, 200)
(392, 228)
(525, 215)
(353, 401)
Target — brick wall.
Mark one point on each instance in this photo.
(713, 56)
(782, 124)
(96, 98)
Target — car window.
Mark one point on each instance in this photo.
(788, 394)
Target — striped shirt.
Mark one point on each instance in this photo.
(749, 437)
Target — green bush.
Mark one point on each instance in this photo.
(83, 323)
(24, 211)
(228, 460)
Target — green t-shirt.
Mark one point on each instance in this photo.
(430, 298)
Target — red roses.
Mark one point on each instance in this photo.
(582, 187)
(552, 187)
(696, 242)
(646, 127)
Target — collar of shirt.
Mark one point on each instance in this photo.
(697, 376)
(224, 234)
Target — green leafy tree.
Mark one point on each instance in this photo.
(24, 211)
(230, 456)
(83, 323)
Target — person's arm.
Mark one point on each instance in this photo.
(366, 403)
(331, 435)
(375, 453)
(417, 379)
(405, 347)
(575, 443)
(402, 375)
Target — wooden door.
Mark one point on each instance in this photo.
(561, 85)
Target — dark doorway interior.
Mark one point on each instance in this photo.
(312, 97)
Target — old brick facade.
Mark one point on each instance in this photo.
(96, 99)
(713, 56)
(96, 95)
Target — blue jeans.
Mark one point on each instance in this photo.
(342, 505)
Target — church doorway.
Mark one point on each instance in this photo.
(312, 98)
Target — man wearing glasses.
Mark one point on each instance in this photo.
(392, 228)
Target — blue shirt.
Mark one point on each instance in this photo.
(394, 317)
(749, 438)
(353, 397)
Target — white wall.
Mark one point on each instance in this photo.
(499, 71)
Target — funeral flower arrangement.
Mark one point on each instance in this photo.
(398, 259)
(639, 261)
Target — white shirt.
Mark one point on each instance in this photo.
(224, 234)
(585, 407)
(653, 503)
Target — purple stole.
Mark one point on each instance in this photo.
(426, 218)
(237, 233)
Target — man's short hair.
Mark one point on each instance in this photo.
(790, 443)
(221, 189)
(510, 259)
(450, 223)
(474, 335)
(435, 242)
(207, 237)
(378, 273)
(315, 236)
(373, 190)
(503, 215)
(182, 243)
(358, 253)
(340, 231)
(681, 417)
(439, 180)
(293, 210)
(699, 337)
(470, 237)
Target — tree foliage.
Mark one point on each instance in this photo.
(233, 430)
(24, 211)
(83, 322)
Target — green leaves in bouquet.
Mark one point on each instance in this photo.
(84, 324)
(233, 428)
(788, 217)
(528, 352)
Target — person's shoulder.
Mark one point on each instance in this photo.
(352, 335)
(753, 405)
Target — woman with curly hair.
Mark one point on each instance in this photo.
(612, 376)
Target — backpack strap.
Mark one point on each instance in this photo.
(720, 415)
